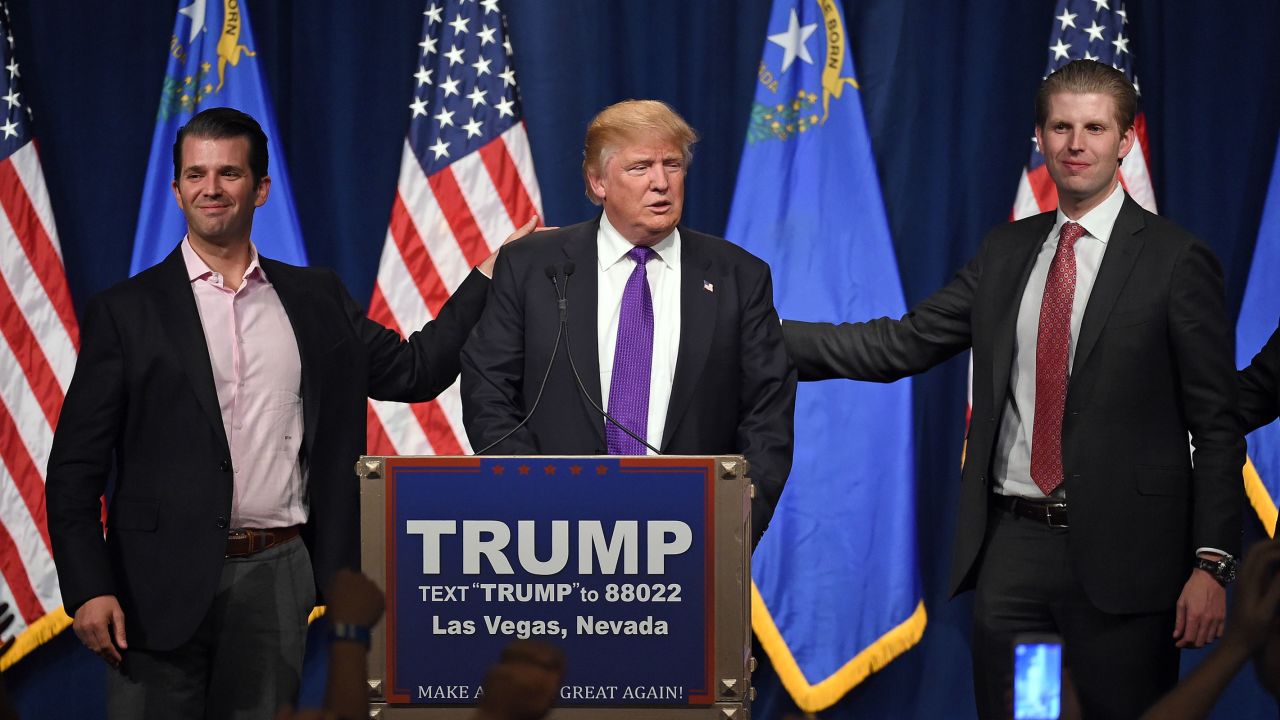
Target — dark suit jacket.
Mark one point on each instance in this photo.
(1260, 386)
(142, 403)
(1153, 362)
(733, 391)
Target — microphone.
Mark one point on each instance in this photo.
(550, 272)
(564, 327)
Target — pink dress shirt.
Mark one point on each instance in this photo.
(258, 376)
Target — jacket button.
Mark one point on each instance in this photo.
(221, 523)
(225, 466)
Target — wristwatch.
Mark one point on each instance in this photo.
(1223, 569)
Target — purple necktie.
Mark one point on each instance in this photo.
(632, 361)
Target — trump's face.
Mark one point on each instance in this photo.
(641, 185)
(1082, 145)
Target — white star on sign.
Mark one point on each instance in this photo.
(428, 45)
(1068, 19)
(423, 75)
(490, 6)
(506, 45)
(195, 11)
(472, 128)
(481, 66)
(508, 77)
(1060, 50)
(433, 13)
(477, 97)
(441, 148)
(450, 87)
(444, 117)
(504, 108)
(1087, 56)
(459, 24)
(1100, 5)
(486, 35)
(1095, 31)
(10, 129)
(1124, 15)
(454, 55)
(12, 97)
(1122, 44)
(419, 107)
(792, 41)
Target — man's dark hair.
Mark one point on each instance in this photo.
(221, 123)
(1089, 76)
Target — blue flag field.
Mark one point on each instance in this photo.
(212, 63)
(1259, 313)
(836, 593)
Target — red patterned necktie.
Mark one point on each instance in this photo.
(1053, 348)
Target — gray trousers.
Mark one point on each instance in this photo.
(245, 659)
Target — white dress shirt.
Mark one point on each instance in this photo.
(663, 274)
(1012, 463)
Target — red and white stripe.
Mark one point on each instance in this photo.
(39, 339)
(441, 227)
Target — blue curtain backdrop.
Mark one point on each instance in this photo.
(946, 87)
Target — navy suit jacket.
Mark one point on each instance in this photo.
(733, 390)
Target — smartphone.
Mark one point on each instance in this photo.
(1037, 676)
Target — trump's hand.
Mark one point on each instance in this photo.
(97, 623)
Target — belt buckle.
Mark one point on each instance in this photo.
(1048, 514)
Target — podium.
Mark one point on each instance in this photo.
(638, 568)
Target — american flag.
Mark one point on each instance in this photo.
(38, 348)
(466, 182)
(1088, 30)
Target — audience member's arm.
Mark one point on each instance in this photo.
(1248, 627)
(354, 601)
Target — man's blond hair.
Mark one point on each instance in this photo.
(629, 121)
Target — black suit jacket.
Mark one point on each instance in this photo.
(733, 390)
(1260, 386)
(1153, 361)
(142, 403)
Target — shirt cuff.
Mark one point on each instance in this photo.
(1211, 550)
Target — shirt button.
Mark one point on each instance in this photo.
(221, 522)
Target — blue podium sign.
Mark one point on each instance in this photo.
(611, 559)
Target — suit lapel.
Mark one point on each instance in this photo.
(582, 292)
(697, 325)
(1123, 249)
(1011, 277)
(176, 306)
(308, 334)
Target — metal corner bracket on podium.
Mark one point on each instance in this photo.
(637, 568)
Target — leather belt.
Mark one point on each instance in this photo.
(1053, 514)
(248, 541)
